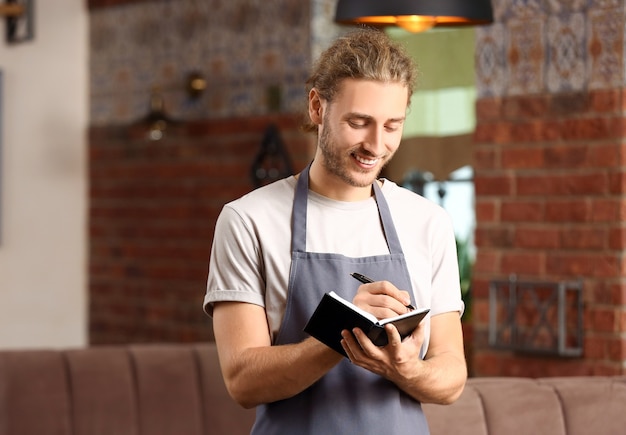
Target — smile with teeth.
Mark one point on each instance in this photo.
(365, 161)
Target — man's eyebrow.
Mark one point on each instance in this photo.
(364, 116)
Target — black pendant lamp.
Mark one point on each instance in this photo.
(414, 15)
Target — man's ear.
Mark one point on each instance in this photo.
(316, 109)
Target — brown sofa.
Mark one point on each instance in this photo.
(177, 389)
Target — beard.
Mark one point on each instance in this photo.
(339, 163)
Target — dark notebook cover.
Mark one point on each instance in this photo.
(334, 314)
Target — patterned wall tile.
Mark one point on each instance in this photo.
(551, 46)
(565, 6)
(605, 4)
(525, 57)
(242, 47)
(526, 9)
(606, 48)
(566, 56)
(490, 60)
(323, 28)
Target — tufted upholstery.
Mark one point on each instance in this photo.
(174, 389)
(126, 390)
(520, 406)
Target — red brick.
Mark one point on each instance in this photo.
(585, 238)
(487, 261)
(525, 107)
(603, 320)
(622, 210)
(485, 158)
(536, 238)
(565, 156)
(608, 265)
(569, 105)
(486, 211)
(616, 182)
(565, 264)
(493, 133)
(480, 311)
(151, 221)
(528, 132)
(595, 347)
(480, 287)
(586, 183)
(485, 133)
(493, 237)
(567, 211)
(536, 184)
(490, 185)
(606, 209)
(603, 156)
(622, 320)
(592, 128)
(617, 291)
(617, 349)
(488, 109)
(522, 211)
(607, 368)
(517, 158)
(606, 101)
(551, 131)
(526, 263)
(488, 363)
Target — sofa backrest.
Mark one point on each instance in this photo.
(551, 406)
(171, 389)
(124, 390)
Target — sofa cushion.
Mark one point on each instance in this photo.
(225, 416)
(591, 404)
(520, 406)
(168, 390)
(467, 412)
(34, 397)
(102, 388)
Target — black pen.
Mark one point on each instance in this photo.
(367, 280)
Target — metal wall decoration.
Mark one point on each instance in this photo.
(536, 317)
(272, 161)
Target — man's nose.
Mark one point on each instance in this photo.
(375, 141)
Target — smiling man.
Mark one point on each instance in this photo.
(277, 250)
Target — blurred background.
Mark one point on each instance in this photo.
(126, 125)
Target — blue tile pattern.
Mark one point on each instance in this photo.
(242, 47)
(550, 47)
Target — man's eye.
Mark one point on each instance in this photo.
(357, 123)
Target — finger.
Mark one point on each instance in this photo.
(393, 336)
(365, 347)
(347, 350)
(387, 295)
(350, 344)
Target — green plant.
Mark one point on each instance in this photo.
(466, 264)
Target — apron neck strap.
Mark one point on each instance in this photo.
(299, 218)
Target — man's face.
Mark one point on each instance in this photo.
(361, 130)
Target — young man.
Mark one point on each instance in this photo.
(278, 249)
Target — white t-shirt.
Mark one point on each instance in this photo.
(251, 253)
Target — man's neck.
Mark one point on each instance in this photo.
(330, 186)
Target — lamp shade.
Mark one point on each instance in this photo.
(414, 15)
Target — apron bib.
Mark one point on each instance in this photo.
(348, 399)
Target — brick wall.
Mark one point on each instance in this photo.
(153, 207)
(550, 205)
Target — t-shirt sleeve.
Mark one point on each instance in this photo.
(234, 265)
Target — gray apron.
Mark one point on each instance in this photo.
(348, 399)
